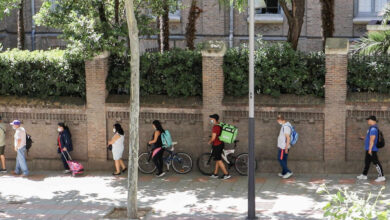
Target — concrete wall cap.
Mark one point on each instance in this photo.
(337, 46)
(214, 49)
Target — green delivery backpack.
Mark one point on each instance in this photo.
(228, 133)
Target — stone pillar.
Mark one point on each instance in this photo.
(213, 82)
(96, 73)
(336, 51)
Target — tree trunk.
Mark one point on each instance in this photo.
(165, 25)
(194, 14)
(116, 12)
(132, 178)
(160, 38)
(327, 17)
(20, 24)
(294, 20)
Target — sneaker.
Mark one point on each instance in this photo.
(287, 175)
(66, 171)
(214, 176)
(161, 174)
(225, 177)
(380, 179)
(280, 174)
(3, 170)
(361, 177)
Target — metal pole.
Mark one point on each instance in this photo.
(231, 26)
(32, 25)
(251, 136)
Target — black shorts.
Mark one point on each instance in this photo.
(217, 152)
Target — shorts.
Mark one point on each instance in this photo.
(2, 150)
(217, 152)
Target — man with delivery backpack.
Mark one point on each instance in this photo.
(221, 134)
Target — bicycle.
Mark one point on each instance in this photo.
(240, 162)
(181, 162)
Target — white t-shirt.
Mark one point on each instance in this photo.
(284, 130)
(20, 134)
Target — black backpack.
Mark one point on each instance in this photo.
(29, 142)
(381, 140)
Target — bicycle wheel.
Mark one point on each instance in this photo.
(182, 163)
(206, 164)
(144, 165)
(241, 164)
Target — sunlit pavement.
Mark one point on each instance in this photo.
(51, 195)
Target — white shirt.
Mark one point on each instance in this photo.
(20, 134)
(284, 130)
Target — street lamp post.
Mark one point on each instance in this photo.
(251, 136)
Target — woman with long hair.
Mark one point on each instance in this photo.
(64, 142)
(157, 154)
(117, 143)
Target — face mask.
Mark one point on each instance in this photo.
(13, 127)
(280, 123)
(212, 122)
(113, 130)
(59, 129)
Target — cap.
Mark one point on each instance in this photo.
(15, 122)
(372, 117)
(215, 116)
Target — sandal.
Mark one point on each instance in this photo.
(124, 170)
(116, 174)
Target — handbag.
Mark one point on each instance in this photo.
(109, 147)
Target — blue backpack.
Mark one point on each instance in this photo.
(293, 136)
(166, 139)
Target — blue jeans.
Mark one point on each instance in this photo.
(21, 161)
(282, 158)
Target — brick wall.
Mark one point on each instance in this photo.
(329, 132)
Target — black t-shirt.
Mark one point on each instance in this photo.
(159, 142)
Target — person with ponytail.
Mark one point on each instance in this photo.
(64, 142)
(117, 146)
(157, 154)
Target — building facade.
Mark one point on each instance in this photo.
(221, 23)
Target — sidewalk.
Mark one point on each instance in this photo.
(50, 195)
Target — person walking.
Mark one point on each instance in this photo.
(3, 130)
(157, 150)
(370, 144)
(65, 146)
(20, 148)
(217, 148)
(117, 144)
(284, 145)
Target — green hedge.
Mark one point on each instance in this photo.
(278, 70)
(174, 73)
(41, 74)
(369, 74)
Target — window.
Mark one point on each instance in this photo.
(267, 7)
(369, 8)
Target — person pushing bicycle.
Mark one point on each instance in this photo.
(217, 147)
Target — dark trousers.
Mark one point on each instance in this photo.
(282, 158)
(63, 155)
(374, 159)
(158, 161)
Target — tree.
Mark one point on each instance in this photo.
(327, 18)
(294, 16)
(294, 20)
(377, 42)
(194, 14)
(161, 9)
(132, 178)
(6, 6)
(92, 26)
